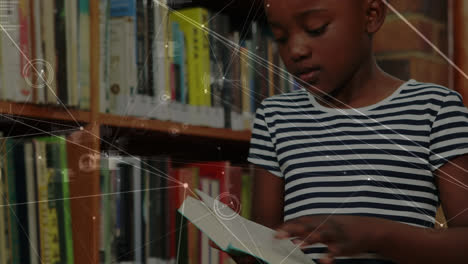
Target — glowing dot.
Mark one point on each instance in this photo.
(206, 91)
(81, 128)
(268, 5)
(39, 157)
(202, 26)
(368, 179)
(222, 172)
(441, 225)
(167, 46)
(94, 218)
(185, 185)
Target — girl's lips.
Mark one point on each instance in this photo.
(310, 76)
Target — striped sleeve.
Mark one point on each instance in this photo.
(262, 151)
(449, 133)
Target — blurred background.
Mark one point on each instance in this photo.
(107, 107)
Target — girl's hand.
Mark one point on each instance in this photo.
(344, 235)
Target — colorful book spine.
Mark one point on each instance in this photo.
(24, 91)
(48, 222)
(193, 23)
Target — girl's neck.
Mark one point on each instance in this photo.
(368, 85)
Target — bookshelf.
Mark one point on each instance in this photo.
(86, 140)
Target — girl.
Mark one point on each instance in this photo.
(355, 165)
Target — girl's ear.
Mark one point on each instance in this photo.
(375, 15)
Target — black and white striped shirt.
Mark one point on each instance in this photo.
(372, 161)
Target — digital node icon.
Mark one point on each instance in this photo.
(227, 206)
(38, 73)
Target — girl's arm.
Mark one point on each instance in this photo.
(349, 235)
(406, 244)
(268, 199)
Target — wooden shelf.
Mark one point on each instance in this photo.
(44, 112)
(173, 127)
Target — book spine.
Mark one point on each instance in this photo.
(48, 223)
(48, 42)
(140, 48)
(150, 22)
(21, 216)
(13, 222)
(3, 234)
(61, 51)
(31, 198)
(38, 52)
(24, 92)
(84, 57)
(104, 13)
(71, 38)
(66, 201)
(204, 57)
(11, 59)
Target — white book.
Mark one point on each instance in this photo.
(235, 234)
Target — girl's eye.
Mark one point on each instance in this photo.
(318, 31)
(280, 40)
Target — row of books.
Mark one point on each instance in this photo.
(140, 222)
(140, 196)
(188, 65)
(35, 216)
(45, 52)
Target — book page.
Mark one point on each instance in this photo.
(199, 214)
(253, 238)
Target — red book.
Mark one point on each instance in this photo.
(216, 171)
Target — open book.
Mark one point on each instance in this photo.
(237, 235)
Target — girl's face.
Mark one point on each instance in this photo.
(322, 42)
